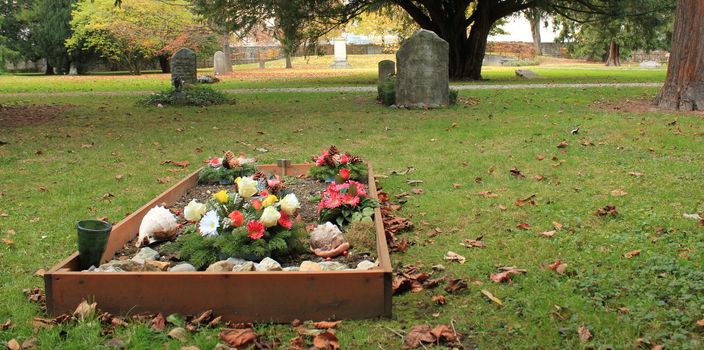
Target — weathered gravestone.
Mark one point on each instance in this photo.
(650, 65)
(340, 47)
(422, 76)
(220, 63)
(387, 68)
(183, 67)
(527, 74)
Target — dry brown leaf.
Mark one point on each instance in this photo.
(455, 285)
(203, 317)
(563, 144)
(8, 241)
(548, 234)
(452, 256)
(540, 157)
(492, 297)
(164, 180)
(12, 344)
(179, 333)
(326, 341)
(473, 243)
(43, 189)
(517, 173)
(158, 322)
(40, 273)
(538, 177)
(417, 191)
(558, 266)
(5, 326)
(418, 335)
(609, 210)
(456, 186)
(700, 323)
(502, 207)
(558, 226)
(182, 164)
(85, 310)
(87, 145)
(30, 343)
(439, 299)
(444, 332)
(119, 177)
(619, 192)
(636, 174)
(298, 343)
(528, 200)
(505, 275)
(238, 337)
(632, 253)
(487, 194)
(523, 226)
(584, 333)
(326, 324)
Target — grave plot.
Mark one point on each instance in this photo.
(254, 243)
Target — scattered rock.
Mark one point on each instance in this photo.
(184, 267)
(246, 266)
(114, 343)
(179, 333)
(366, 265)
(268, 264)
(145, 254)
(124, 266)
(292, 268)
(333, 266)
(527, 74)
(159, 265)
(235, 261)
(326, 237)
(310, 266)
(220, 266)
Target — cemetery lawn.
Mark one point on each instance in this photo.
(101, 158)
(315, 73)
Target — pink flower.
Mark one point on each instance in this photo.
(285, 221)
(350, 200)
(215, 162)
(344, 159)
(256, 204)
(332, 201)
(345, 173)
(273, 182)
(255, 230)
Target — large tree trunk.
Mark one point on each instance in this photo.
(614, 55)
(684, 85)
(227, 51)
(164, 64)
(49, 69)
(534, 16)
(288, 61)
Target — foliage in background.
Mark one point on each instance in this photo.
(49, 27)
(137, 32)
(14, 43)
(646, 26)
(199, 96)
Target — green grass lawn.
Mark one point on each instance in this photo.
(49, 180)
(315, 72)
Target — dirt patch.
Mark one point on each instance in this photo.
(640, 105)
(30, 115)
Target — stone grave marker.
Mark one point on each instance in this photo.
(422, 76)
(650, 65)
(340, 47)
(527, 74)
(386, 68)
(220, 63)
(183, 66)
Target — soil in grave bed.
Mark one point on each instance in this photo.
(308, 192)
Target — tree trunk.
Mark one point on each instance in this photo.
(614, 55)
(473, 56)
(533, 16)
(288, 61)
(227, 51)
(684, 85)
(49, 69)
(164, 64)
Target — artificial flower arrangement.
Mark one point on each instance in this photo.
(332, 162)
(252, 220)
(224, 170)
(346, 202)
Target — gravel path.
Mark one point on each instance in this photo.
(340, 89)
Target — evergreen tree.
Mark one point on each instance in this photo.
(49, 27)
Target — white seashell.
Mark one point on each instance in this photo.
(158, 225)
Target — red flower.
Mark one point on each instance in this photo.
(264, 193)
(255, 230)
(345, 173)
(344, 159)
(236, 218)
(285, 221)
(332, 201)
(350, 200)
(215, 161)
(256, 204)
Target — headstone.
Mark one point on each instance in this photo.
(650, 65)
(340, 47)
(422, 75)
(183, 66)
(386, 68)
(526, 73)
(73, 69)
(262, 64)
(220, 63)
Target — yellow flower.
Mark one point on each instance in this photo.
(222, 196)
(270, 200)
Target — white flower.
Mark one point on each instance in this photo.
(270, 217)
(289, 204)
(209, 224)
(194, 211)
(247, 187)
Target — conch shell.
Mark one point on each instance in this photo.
(158, 225)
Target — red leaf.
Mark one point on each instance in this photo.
(523, 226)
(158, 323)
(326, 341)
(455, 285)
(584, 333)
(632, 253)
(326, 324)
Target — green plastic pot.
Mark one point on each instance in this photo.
(92, 240)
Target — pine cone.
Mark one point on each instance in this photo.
(333, 150)
(355, 159)
(229, 155)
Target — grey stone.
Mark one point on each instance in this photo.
(184, 267)
(145, 254)
(124, 265)
(527, 73)
(183, 66)
(268, 264)
(207, 79)
(387, 68)
(310, 266)
(326, 237)
(220, 63)
(262, 64)
(495, 60)
(366, 265)
(650, 65)
(333, 266)
(244, 267)
(236, 261)
(422, 72)
(340, 54)
(292, 268)
(220, 266)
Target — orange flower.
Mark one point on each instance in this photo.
(236, 218)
